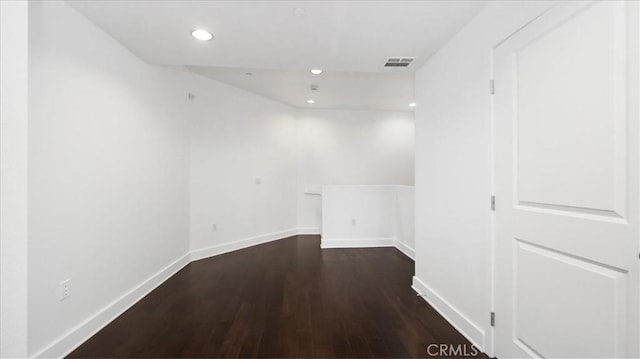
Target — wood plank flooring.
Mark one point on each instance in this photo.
(284, 299)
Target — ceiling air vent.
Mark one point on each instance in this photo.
(399, 61)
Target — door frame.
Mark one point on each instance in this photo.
(535, 14)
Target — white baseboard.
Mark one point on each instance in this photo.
(78, 335)
(404, 248)
(240, 244)
(464, 325)
(368, 243)
(309, 230)
(68, 342)
(357, 243)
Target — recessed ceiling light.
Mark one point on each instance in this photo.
(310, 102)
(316, 71)
(202, 35)
(413, 104)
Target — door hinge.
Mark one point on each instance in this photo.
(492, 87)
(493, 203)
(493, 319)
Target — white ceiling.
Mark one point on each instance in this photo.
(343, 90)
(279, 41)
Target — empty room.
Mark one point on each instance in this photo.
(319, 179)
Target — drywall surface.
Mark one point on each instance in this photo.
(358, 213)
(368, 216)
(454, 170)
(108, 171)
(405, 219)
(338, 147)
(14, 95)
(243, 166)
(129, 174)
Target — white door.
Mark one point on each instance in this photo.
(566, 178)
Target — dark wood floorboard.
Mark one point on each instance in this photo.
(284, 299)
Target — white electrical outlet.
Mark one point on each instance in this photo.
(258, 180)
(64, 289)
(354, 222)
(214, 227)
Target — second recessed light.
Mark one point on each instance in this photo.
(316, 71)
(310, 102)
(202, 35)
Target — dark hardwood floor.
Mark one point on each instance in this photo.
(284, 299)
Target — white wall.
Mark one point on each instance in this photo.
(453, 170)
(237, 137)
(108, 170)
(368, 216)
(364, 214)
(124, 169)
(405, 219)
(350, 148)
(13, 177)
